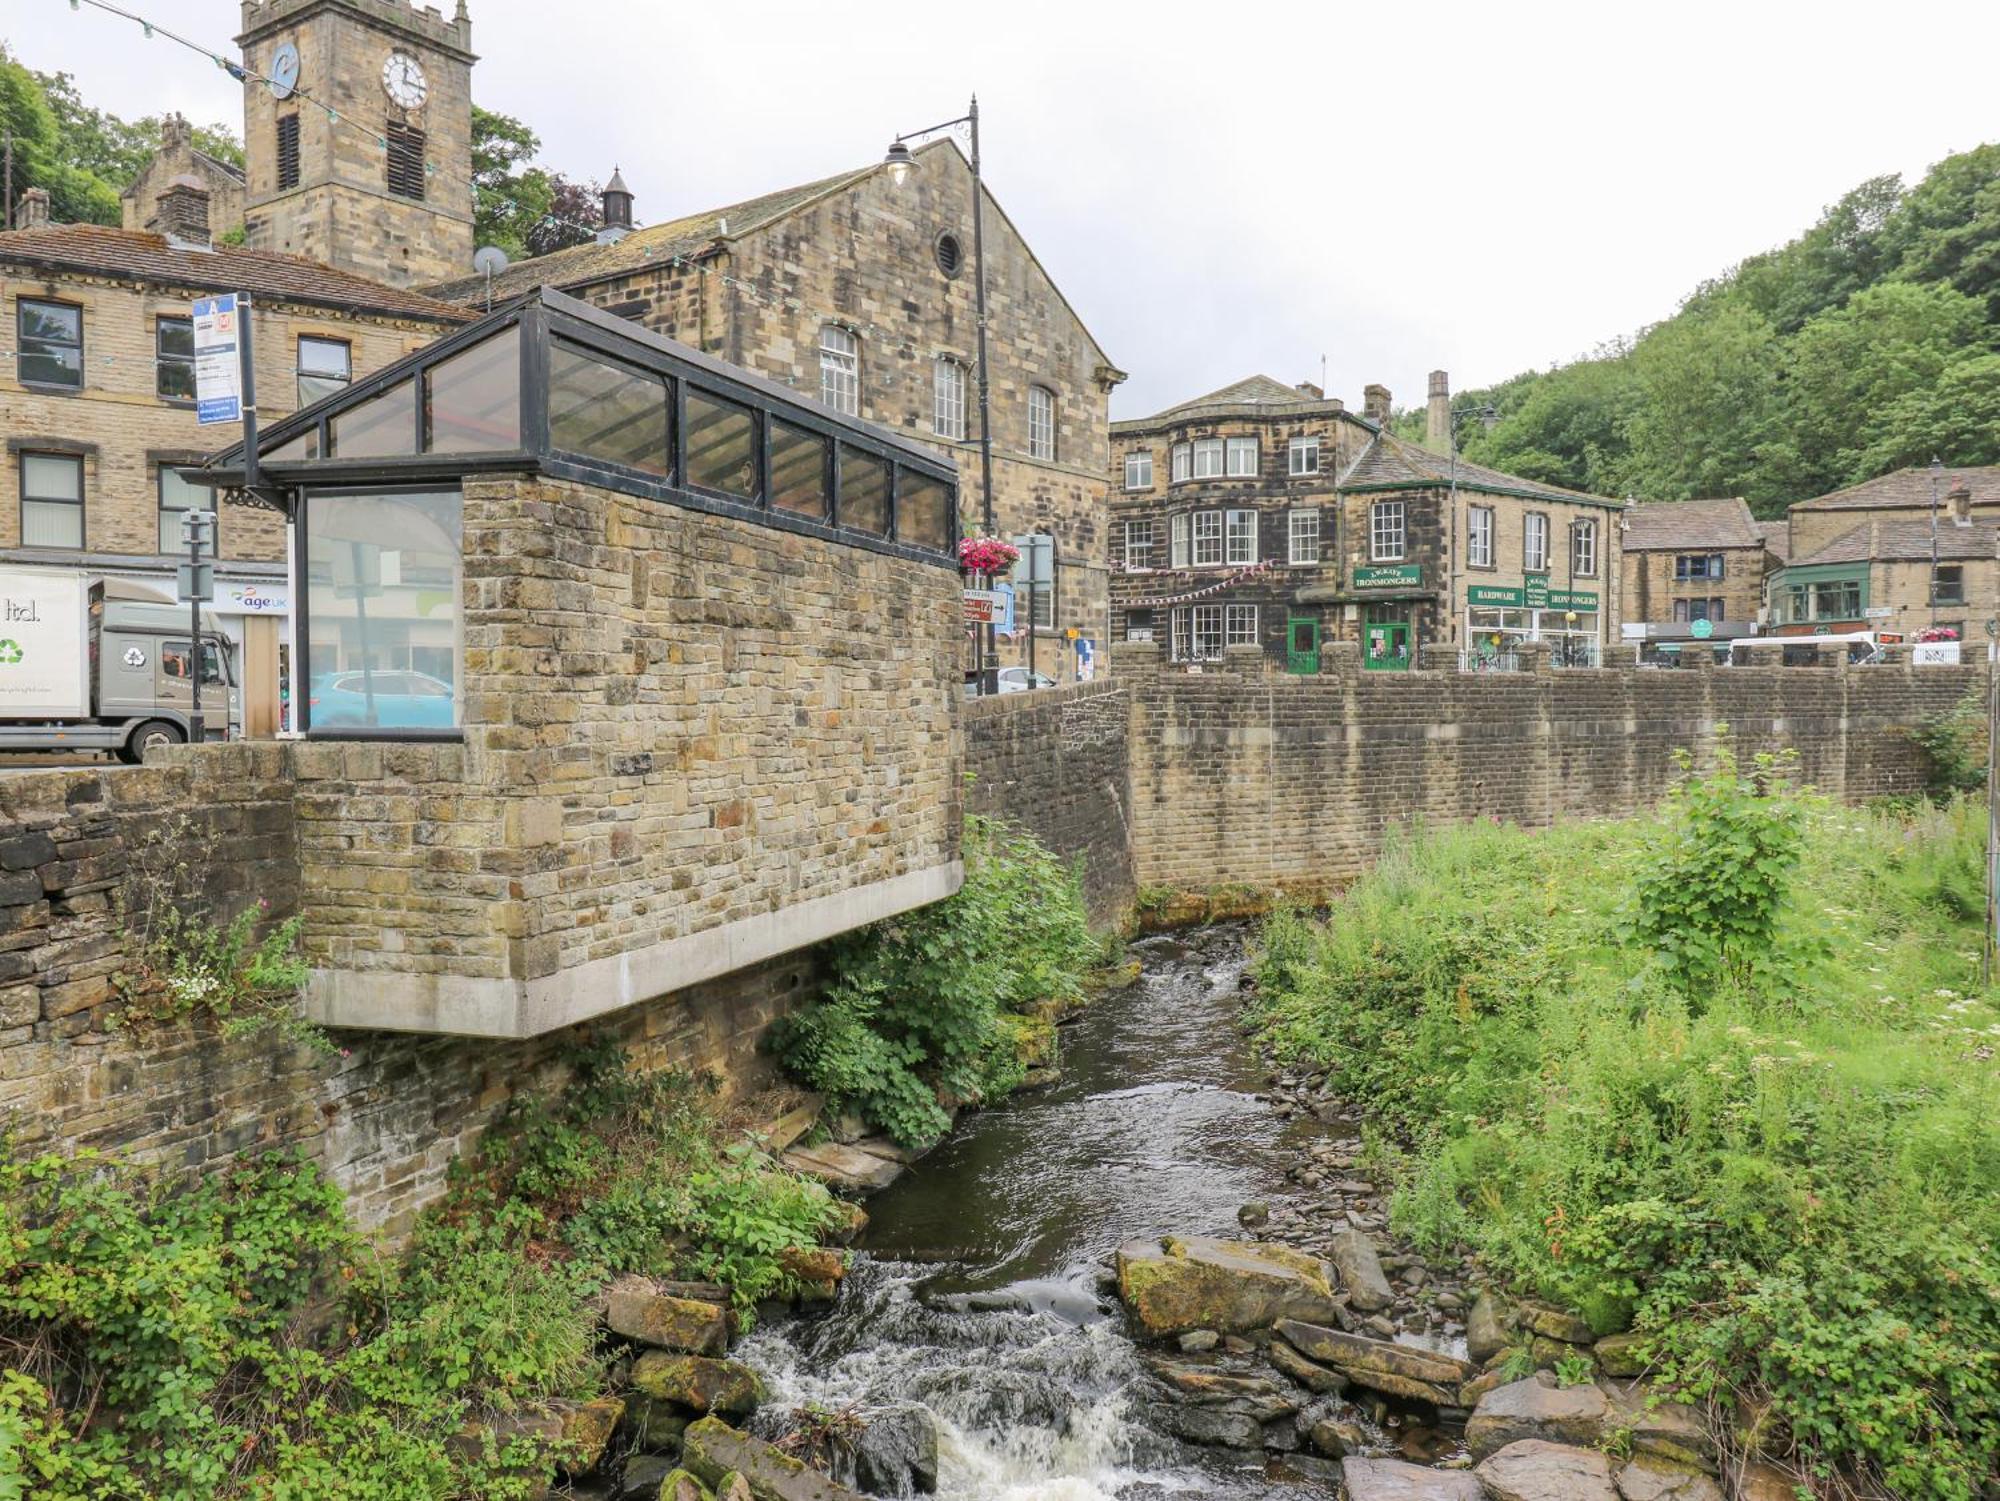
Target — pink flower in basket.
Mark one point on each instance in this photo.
(1937, 633)
(987, 555)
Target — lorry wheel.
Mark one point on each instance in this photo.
(153, 732)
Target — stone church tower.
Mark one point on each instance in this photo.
(360, 149)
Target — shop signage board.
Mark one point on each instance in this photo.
(1390, 576)
(1535, 595)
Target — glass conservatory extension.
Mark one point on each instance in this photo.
(371, 480)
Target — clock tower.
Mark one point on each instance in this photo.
(357, 129)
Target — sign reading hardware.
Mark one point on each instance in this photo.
(1390, 576)
(1534, 595)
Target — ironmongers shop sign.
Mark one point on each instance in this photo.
(1535, 594)
(1390, 576)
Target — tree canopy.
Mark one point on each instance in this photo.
(522, 207)
(1870, 342)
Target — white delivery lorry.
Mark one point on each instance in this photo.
(101, 664)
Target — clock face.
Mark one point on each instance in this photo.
(284, 71)
(403, 80)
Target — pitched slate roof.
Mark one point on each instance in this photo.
(1253, 396)
(1906, 541)
(1777, 537)
(96, 249)
(1679, 525)
(1388, 463)
(1908, 487)
(685, 237)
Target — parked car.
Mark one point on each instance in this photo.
(1020, 680)
(400, 700)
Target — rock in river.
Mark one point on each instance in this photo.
(1193, 1282)
(1361, 1276)
(895, 1454)
(714, 1450)
(698, 1382)
(1399, 1370)
(1533, 1409)
(1392, 1480)
(1486, 1328)
(1531, 1470)
(639, 1312)
(1650, 1479)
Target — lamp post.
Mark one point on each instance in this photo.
(1937, 474)
(901, 163)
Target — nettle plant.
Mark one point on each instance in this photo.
(1709, 900)
(246, 971)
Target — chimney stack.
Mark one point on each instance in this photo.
(1310, 391)
(174, 131)
(1961, 503)
(617, 210)
(180, 213)
(1375, 404)
(33, 210)
(1437, 419)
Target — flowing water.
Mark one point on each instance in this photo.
(983, 1293)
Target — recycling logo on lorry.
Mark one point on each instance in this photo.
(10, 652)
(135, 656)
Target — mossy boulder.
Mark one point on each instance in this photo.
(714, 1451)
(1034, 1039)
(699, 1382)
(1191, 1282)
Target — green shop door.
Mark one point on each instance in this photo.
(1386, 647)
(1302, 644)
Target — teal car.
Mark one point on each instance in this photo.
(388, 699)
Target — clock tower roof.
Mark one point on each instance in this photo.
(423, 26)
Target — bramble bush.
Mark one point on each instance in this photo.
(1956, 742)
(1788, 1180)
(918, 1006)
(236, 1338)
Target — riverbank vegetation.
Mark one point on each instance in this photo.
(938, 1007)
(1725, 1076)
(238, 1338)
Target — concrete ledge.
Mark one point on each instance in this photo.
(498, 1008)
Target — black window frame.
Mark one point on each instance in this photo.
(162, 361)
(300, 374)
(1957, 594)
(22, 498)
(21, 306)
(285, 153)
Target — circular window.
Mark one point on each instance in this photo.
(950, 254)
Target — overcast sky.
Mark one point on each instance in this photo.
(1226, 190)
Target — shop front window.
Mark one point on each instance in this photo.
(382, 573)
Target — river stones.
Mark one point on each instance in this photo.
(1486, 1328)
(586, 1428)
(713, 1451)
(1392, 1480)
(846, 1169)
(1312, 1377)
(1554, 1323)
(699, 1382)
(895, 1453)
(1380, 1365)
(1530, 1409)
(1649, 1479)
(1532, 1470)
(1191, 1282)
(1657, 1426)
(1361, 1275)
(636, 1310)
(1213, 1386)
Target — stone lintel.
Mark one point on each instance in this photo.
(505, 1008)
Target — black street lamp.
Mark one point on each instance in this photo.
(1937, 474)
(901, 163)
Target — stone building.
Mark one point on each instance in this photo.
(177, 158)
(1689, 560)
(859, 292)
(360, 148)
(1903, 495)
(1901, 575)
(97, 398)
(1222, 511)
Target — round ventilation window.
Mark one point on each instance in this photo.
(950, 254)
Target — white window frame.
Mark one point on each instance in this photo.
(1239, 545)
(1208, 458)
(192, 498)
(1240, 458)
(1179, 551)
(47, 501)
(1583, 548)
(1304, 456)
(948, 399)
(1302, 535)
(1180, 461)
(1479, 536)
(1139, 543)
(1535, 542)
(1139, 469)
(1388, 523)
(1041, 423)
(1240, 626)
(840, 369)
(1196, 633)
(1207, 539)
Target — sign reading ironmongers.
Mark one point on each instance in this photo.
(1390, 576)
(1534, 595)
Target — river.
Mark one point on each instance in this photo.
(983, 1292)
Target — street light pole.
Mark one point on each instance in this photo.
(900, 163)
(1937, 474)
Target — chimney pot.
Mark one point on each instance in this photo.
(33, 210)
(1961, 503)
(1437, 416)
(1307, 388)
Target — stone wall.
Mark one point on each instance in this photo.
(1057, 764)
(1248, 776)
(385, 1115)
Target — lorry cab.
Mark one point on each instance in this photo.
(145, 672)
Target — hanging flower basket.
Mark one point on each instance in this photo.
(987, 555)
(1937, 633)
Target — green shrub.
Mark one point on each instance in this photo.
(1790, 1183)
(1956, 742)
(914, 1010)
